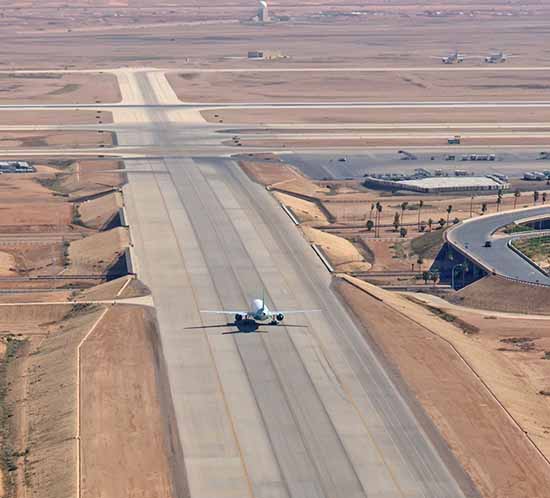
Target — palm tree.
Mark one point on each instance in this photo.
(535, 196)
(517, 195)
(449, 211)
(396, 221)
(471, 206)
(483, 208)
(430, 223)
(403, 207)
(378, 215)
(499, 200)
(420, 206)
(371, 210)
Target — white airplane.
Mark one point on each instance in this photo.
(258, 312)
(451, 58)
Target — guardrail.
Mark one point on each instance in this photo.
(322, 257)
(290, 214)
(448, 234)
(527, 258)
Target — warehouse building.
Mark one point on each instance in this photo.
(441, 184)
(16, 167)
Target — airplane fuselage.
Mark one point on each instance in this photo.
(259, 312)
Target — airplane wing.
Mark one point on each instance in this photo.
(293, 312)
(225, 312)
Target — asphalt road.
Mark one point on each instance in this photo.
(471, 235)
(305, 410)
(330, 166)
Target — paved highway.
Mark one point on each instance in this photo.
(470, 237)
(306, 410)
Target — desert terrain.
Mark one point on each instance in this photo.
(58, 88)
(349, 86)
(86, 405)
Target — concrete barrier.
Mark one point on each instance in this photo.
(322, 257)
(130, 261)
(122, 217)
(526, 258)
(290, 214)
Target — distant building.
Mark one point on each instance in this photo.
(16, 167)
(262, 54)
(440, 184)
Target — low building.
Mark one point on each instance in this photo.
(16, 167)
(255, 54)
(440, 184)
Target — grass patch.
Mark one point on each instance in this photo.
(54, 183)
(428, 244)
(513, 228)
(399, 250)
(536, 248)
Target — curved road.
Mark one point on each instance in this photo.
(469, 238)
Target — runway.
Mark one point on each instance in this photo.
(301, 412)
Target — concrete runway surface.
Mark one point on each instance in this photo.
(301, 412)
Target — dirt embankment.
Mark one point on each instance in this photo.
(127, 434)
(97, 213)
(342, 254)
(499, 294)
(97, 253)
(422, 350)
(129, 438)
(120, 288)
(39, 444)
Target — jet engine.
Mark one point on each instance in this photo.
(280, 317)
(238, 317)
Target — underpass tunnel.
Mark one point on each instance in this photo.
(455, 269)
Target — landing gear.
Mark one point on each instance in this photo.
(274, 322)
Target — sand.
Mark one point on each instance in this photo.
(125, 418)
(496, 293)
(348, 86)
(50, 88)
(95, 254)
(342, 254)
(58, 117)
(492, 449)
